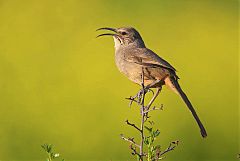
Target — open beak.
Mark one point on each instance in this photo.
(107, 34)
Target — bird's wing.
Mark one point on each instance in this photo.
(148, 58)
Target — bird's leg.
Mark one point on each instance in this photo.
(151, 102)
(147, 89)
(141, 92)
(153, 98)
(159, 83)
(138, 97)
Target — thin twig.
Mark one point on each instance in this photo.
(133, 125)
(154, 108)
(143, 118)
(170, 148)
(132, 99)
(131, 140)
(134, 151)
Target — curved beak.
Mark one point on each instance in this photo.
(107, 28)
(107, 34)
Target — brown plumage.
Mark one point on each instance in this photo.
(131, 56)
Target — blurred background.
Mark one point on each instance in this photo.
(59, 84)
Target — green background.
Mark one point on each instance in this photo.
(59, 85)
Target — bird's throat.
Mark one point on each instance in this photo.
(117, 43)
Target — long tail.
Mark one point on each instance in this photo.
(173, 84)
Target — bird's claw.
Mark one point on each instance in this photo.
(138, 97)
(150, 90)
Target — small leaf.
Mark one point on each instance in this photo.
(146, 141)
(156, 133)
(151, 122)
(43, 146)
(52, 155)
(148, 128)
(157, 147)
(47, 147)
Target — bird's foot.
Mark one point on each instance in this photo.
(138, 97)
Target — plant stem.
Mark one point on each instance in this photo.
(142, 119)
(49, 157)
(142, 133)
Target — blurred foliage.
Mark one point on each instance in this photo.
(59, 84)
(48, 148)
(155, 152)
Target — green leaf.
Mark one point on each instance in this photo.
(156, 133)
(146, 141)
(49, 148)
(43, 147)
(52, 155)
(151, 122)
(148, 128)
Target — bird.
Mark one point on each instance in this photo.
(133, 59)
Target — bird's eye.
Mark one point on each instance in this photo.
(124, 33)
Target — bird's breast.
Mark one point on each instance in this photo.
(131, 70)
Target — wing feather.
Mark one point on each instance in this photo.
(146, 57)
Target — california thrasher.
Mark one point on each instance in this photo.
(133, 58)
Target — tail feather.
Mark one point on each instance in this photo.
(173, 84)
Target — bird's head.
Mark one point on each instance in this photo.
(124, 36)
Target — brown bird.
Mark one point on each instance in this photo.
(133, 58)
